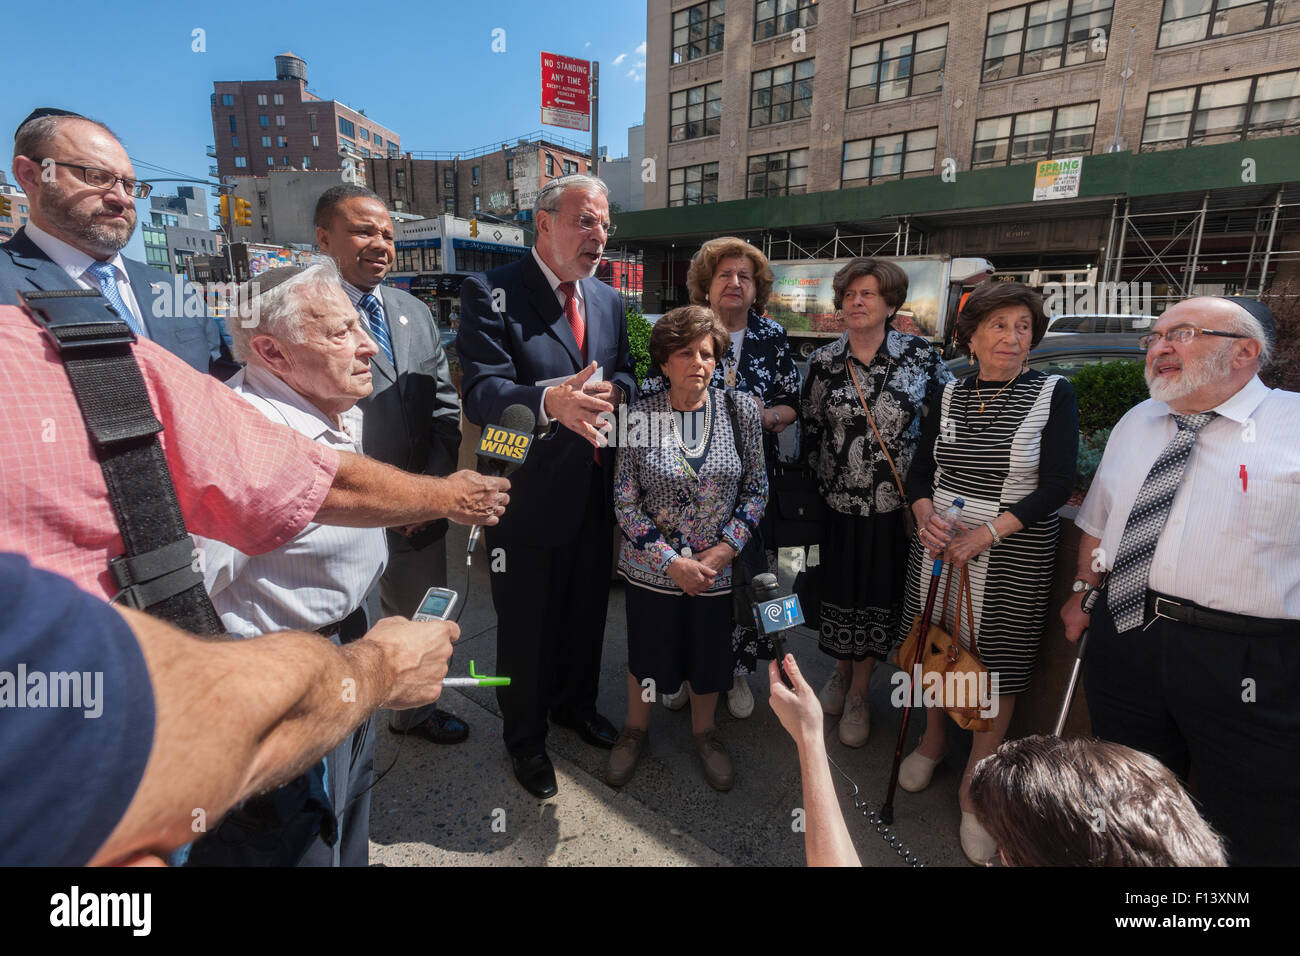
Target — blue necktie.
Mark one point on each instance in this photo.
(106, 276)
(378, 329)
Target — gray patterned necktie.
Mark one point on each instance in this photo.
(1128, 579)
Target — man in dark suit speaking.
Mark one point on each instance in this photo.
(412, 417)
(82, 188)
(544, 334)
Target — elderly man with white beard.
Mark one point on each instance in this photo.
(1194, 646)
(308, 355)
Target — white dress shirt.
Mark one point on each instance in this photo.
(324, 573)
(543, 419)
(1224, 546)
(75, 263)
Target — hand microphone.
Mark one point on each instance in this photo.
(773, 613)
(501, 450)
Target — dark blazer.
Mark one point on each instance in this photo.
(412, 417)
(195, 338)
(505, 354)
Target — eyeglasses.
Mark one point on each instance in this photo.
(103, 179)
(588, 223)
(1181, 335)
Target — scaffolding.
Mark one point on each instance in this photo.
(904, 240)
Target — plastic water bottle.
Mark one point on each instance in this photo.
(953, 517)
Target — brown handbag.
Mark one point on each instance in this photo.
(909, 519)
(943, 656)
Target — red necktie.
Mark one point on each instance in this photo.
(574, 316)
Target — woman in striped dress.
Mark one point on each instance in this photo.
(1006, 441)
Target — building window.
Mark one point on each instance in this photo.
(550, 165)
(261, 199)
(261, 99)
(266, 142)
(266, 225)
(696, 112)
(311, 121)
(306, 162)
(477, 205)
(1041, 134)
(510, 169)
(233, 129)
(346, 127)
(279, 99)
(1227, 112)
(1186, 21)
(315, 142)
(227, 99)
(778, 174)
(570, 167)
(392, 150)
(270, 160)
(263, 120)
(365, 134)
(693, 185)
(400, 179)
(780, 94)
(284, 160)
(901, 66)
(379, 141)
(234, 142)
(697, 31)
(774, 17)
(449, 204)
(448, 178)
(241, 161)
(282, 141)
(1045, 36)
(279, 119)
(868, 161)
(475, 174)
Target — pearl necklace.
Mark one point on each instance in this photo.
(697, 450)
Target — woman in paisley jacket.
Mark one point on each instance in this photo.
(688, 495)
(864, 550)
(734, 279)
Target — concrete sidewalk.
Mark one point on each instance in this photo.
(461, 805)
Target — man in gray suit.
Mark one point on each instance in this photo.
(411, 419)
(82, 188)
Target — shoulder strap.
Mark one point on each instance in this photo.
(848, 361)
(156, 573)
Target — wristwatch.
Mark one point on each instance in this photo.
(1080, 586)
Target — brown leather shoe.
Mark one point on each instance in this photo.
(717, 765)
(622, 759)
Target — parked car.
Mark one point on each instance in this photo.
(1066, 354)
(1099, 324)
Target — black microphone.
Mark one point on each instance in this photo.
(774, 613)
(502, 449)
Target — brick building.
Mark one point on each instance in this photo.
(501, 179)
(842, 127)
(260, 125)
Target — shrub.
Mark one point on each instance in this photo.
(638, 336)
(1090, 449)
(1284, 372)
(1106, 391)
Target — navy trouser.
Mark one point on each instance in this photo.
(1223, 707)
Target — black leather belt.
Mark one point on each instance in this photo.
(1186, 612)
(354, 624)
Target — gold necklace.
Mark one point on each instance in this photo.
(980, 394)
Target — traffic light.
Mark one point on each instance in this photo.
(473, 228)
(224, 207)
(243, 212)
(6, 205)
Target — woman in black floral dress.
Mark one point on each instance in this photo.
(734, 279)
(863, 550)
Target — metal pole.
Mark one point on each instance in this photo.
(1196, 243)
(1119, 247)
(1123, 88)
(595, 117)
(1268, 249)
(1110, 238)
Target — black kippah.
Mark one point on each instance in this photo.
(1259, 310)
(43, 111)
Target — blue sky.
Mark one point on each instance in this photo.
(424, 69)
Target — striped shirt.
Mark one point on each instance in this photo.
(1231, 543)
(325, 572)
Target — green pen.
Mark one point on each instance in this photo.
(476, 680)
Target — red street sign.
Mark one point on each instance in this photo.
(566, 92)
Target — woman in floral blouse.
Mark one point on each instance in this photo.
(734, 279)
(863, 550)
(688, 495)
